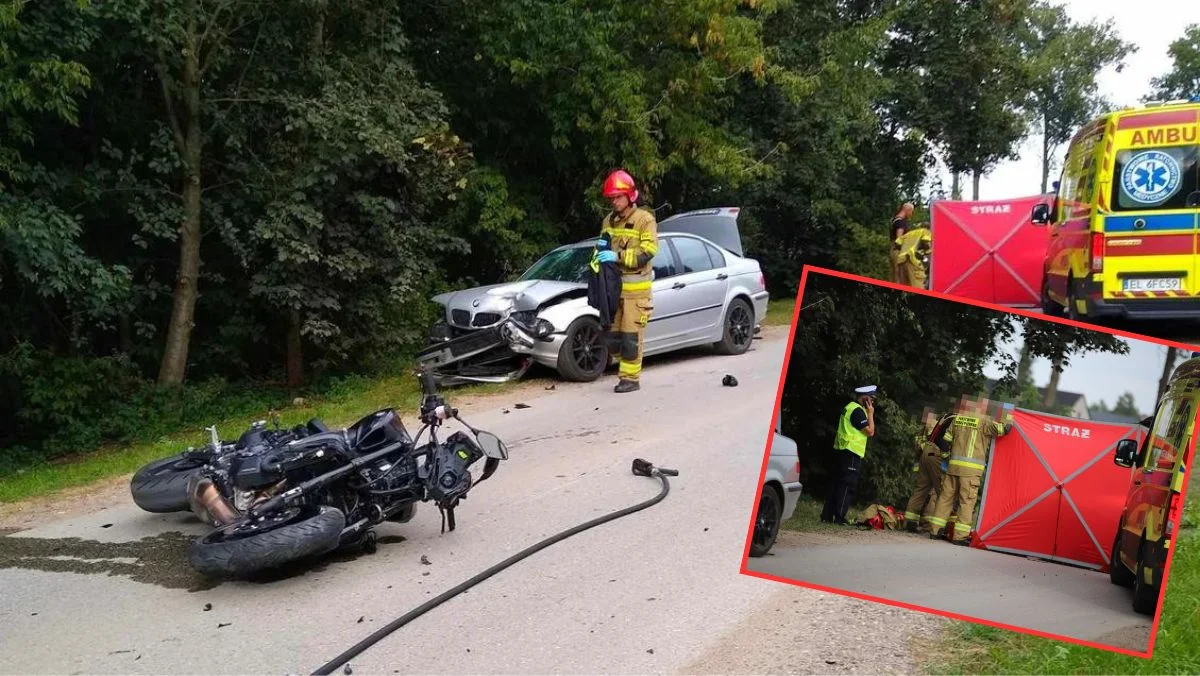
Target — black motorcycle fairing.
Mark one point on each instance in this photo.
(377, 430)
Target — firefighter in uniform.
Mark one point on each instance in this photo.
(633, 241)
(856, 423)
(912, 257)
(928, 468)
(969, 435)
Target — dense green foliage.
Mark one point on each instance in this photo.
(1183, 79)
(920, 351)
(250, 197)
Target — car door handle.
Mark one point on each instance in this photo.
(722, 276)
(678, 285)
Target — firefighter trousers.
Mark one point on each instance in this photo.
(629, 334)
(845, 483)
(912, 274)
(929, 482)
(961, 489)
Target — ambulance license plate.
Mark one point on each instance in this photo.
(1154, 284)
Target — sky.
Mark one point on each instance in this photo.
(1151, 25)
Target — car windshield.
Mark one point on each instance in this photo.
(563, 265)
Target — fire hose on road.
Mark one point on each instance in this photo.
(640, 468)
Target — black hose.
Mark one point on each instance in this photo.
(640, 467)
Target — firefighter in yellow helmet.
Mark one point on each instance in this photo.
(912, 257)
(969, 436)
(632, 241)
(928, 470)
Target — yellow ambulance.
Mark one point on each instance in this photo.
(1125, 221)
(1153, 506)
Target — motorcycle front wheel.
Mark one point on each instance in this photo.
(249, 546)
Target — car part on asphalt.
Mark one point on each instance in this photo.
(640, 468)
(729, 381)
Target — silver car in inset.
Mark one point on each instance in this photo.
(780, 492)
(706, 292)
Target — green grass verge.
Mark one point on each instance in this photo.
(338, 409)
(779, 312)
(973, 649)
(807, 517)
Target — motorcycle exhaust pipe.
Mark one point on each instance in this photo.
(207, 502)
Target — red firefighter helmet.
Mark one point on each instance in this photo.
(620, 183)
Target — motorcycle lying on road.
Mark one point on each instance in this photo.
(276, 496)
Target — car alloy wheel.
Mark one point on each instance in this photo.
(587, 349)
(739, 325)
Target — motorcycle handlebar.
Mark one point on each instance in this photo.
(428, 386)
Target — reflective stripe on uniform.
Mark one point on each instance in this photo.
(960, 461)
(635, 286)
(962, 527)
(911, 516)
(630, 368)
(940, 523)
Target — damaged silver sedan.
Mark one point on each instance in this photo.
(706, 292)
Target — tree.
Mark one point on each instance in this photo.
(1065, 60)
(1183, 80)
(1124, 406)
(961, 79)
(1060, 343)
(1168, 367)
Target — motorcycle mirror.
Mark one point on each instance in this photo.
(492, 446)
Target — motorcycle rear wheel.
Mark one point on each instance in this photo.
(161, 486)
(244, 547)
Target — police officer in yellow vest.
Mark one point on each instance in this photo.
(969, 436)
(856, 423)
(634, 242)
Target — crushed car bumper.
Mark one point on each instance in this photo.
(497, 354)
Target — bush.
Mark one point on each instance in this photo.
(55, 406)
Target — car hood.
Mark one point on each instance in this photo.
(526, 295)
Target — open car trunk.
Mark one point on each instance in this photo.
(718, 225)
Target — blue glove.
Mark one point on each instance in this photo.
(607, 256)
(602, 244)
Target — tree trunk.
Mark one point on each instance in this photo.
(1168, 366)
(179, 330)
(124, 334)
(1052, 386)
(295, 355)
(956, 186)
(976, 175)
(1023, 368)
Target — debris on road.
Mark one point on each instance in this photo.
(360, 619)
(207, 607)
(347, 670)
(425, 560)
(107, 525)
(729, 381)
(522, 406)
(551, 387)
(223, 624)
(651, 651)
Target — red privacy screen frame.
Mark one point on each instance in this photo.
(1055, 470)
(989, 251)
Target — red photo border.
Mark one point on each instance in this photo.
(900, 604)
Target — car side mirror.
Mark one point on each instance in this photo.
(1126, 453)
(1041, 214)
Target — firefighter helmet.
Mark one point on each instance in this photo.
(620, 183)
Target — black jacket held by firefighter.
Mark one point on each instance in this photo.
(604, 287)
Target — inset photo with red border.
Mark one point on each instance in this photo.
(978, 462)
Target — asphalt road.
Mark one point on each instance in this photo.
(658, 591)
(1011, 590)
